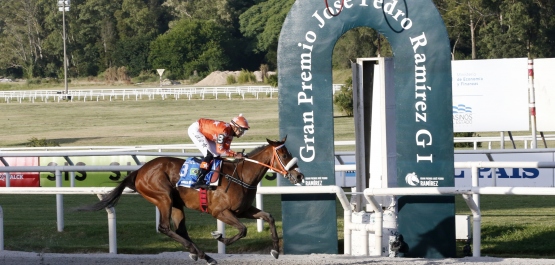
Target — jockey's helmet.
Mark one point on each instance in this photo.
(240, 122)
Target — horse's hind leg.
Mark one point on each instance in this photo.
(178, 219)
(164, 206)
(255, 213)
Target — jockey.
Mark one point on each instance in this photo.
(213, 139)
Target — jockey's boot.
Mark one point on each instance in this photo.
(204, 168)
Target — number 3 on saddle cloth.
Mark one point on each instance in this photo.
(191, 168)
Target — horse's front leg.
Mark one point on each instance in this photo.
(229, 218)
(255, 213)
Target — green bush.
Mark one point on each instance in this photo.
(34, 81)
(246, 76)
(272, 80)
(34, 142)
(230, 79)
(146, 76)
(343, 99)
(193, 79)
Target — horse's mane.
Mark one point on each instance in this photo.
(256, 150)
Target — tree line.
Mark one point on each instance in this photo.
(189, 38)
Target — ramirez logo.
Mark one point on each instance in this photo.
(412, 179)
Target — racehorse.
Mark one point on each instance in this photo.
(232, 199)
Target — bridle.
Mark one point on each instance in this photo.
(283, 168)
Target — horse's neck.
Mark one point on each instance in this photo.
(258, 171)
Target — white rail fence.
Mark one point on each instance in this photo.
(470, 195)
(189, 93)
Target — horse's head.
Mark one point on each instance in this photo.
(283, 160)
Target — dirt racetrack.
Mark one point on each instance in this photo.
(173, 258)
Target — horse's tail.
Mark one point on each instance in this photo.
(111, 199)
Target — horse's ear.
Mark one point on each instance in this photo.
(284, 139)
(269, 141)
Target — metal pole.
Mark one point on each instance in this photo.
(64, 37)
(221, 228)
(59, 203)
(260, 206)
(532, 103)
(8, 176)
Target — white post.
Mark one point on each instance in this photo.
(157, 218)
(476, 226)
(475, 183)
(221, 228)
(59, 203)
(112, 239)
(8, 177)
(532, 103)
(259, 205)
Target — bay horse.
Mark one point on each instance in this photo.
(232, 199)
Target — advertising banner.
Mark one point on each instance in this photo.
(89, 179)
(20, 179)
(506, 177)
(490, 95)
(544, 86)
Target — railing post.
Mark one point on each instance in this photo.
(259, 205)
(221, 229)
(112, 239)
(59, 203)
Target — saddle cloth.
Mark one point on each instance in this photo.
(191, 168)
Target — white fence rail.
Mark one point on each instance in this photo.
(189, 93)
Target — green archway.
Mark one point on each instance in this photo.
(424, 127)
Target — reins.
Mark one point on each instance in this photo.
(284, 168)
(275, 156)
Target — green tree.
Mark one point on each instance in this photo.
(93, 36)
(359, 43)
(262, 24)
(461, 19)
(133, 54)
(191, 45)
(520, 29)
(22, 35)
(343, 98)
(135, 19)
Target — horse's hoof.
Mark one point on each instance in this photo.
(210, 261)
(193, 257)
(216, 234)
(275, 254)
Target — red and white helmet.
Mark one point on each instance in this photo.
(240, 122)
